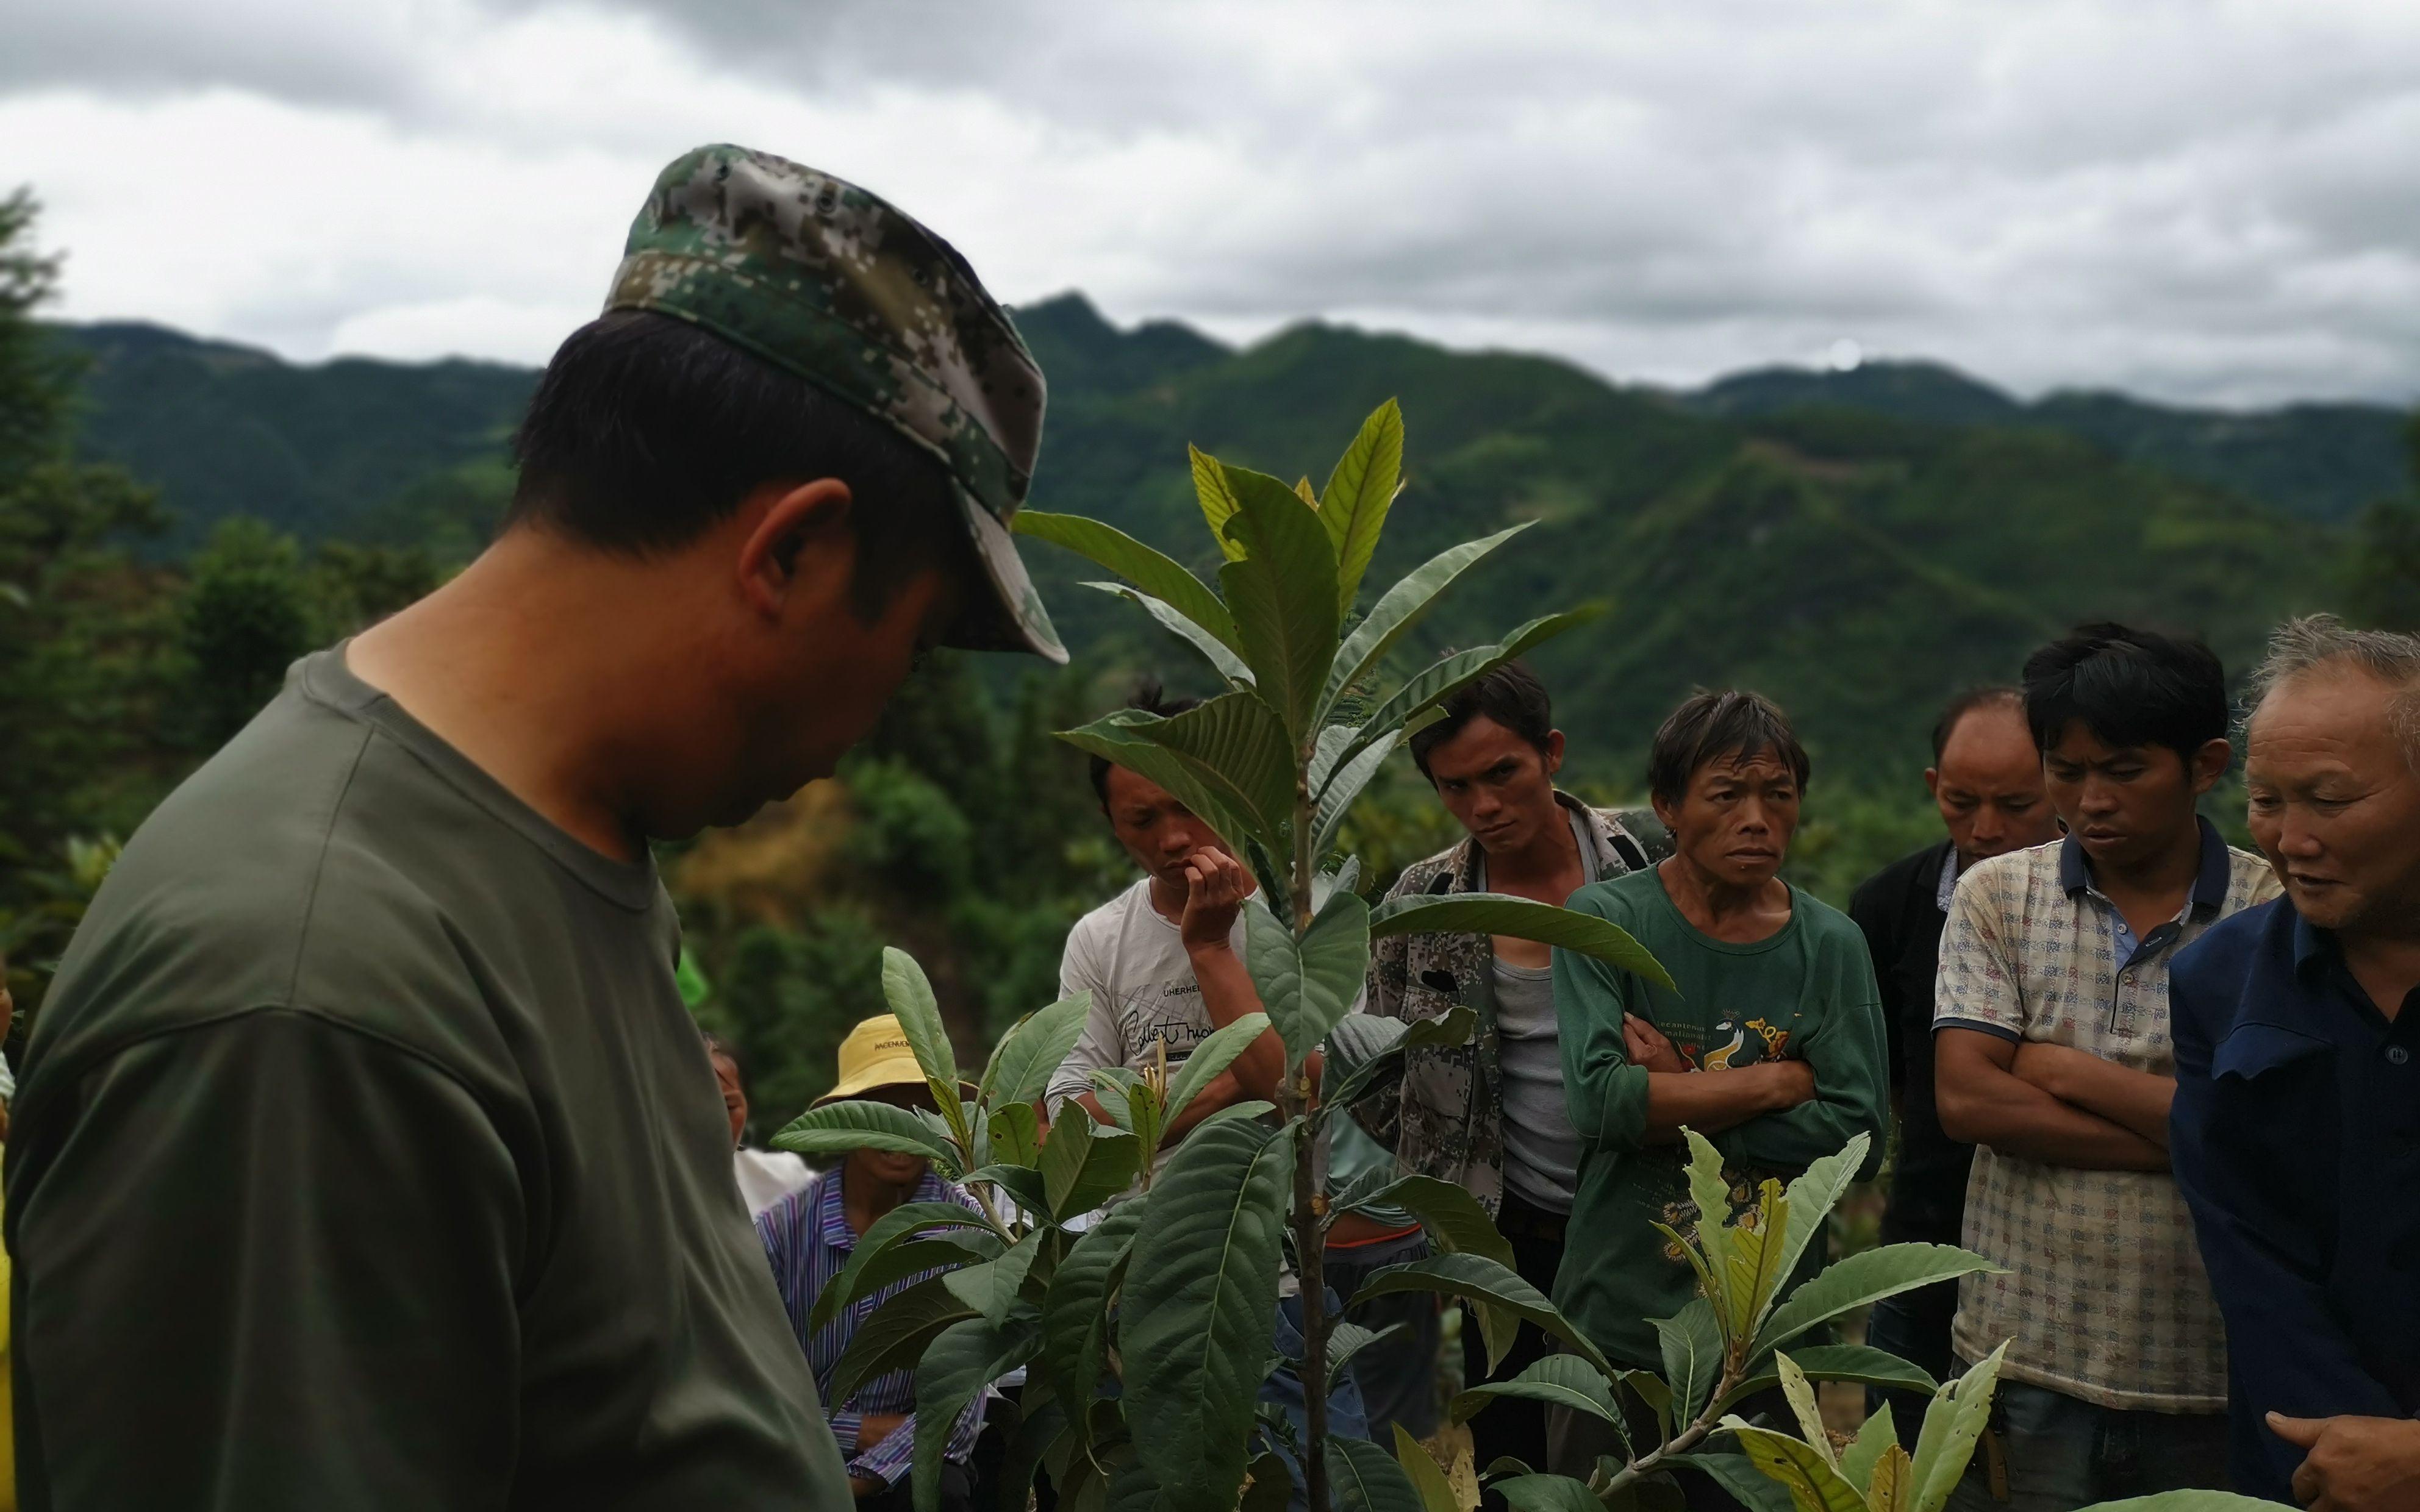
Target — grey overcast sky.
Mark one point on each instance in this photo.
(2214, 201)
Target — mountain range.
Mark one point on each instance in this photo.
(1858, 544)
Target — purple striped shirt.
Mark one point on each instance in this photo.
(808, 1239)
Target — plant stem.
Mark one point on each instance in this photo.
(1686, 1440)
(1308, 1234)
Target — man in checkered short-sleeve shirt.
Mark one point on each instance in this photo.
(2051, 1053)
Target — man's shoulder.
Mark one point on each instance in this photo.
(1103, 922)
(2015, 880)
(1826, 927)
(1886, 888)
(2218, 958)
(1620, 897)
(1421, 875)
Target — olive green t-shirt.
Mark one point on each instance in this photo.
(1806, 992)
(366, 1157)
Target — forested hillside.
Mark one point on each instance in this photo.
(193, 513)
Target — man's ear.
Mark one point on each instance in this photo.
(2210, 765)
(1933, 783)
(1669, 814)
(802, 537)
(1554, 752)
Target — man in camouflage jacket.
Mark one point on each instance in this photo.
(1444, 1116)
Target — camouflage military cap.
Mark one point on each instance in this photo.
(828, 281)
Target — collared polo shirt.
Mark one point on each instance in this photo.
(2296, 1136)
(2105, 1294)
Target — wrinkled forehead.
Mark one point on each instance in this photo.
(1129, 789)
(2335, 711)
(1750, 763)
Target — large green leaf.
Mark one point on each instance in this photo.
(1195, 1341)
(1805, 1470)
(1717, 1242)
(1799, 1392)
(1420, 1467)
(1220, 657)
(837, 1127)
(910, 996)
(2188, 1500)
(1343, 791)
(1160, 577)
(1360, 491)
(898, 1262)
(1084, 1166)
(1442, 678)
(1737, 1474)
(991, 1289)
(1366, 1478)
(1015, 1132)
(1859, 1363)
(1075, 1309)
(1284, 598)
(1218, 501)
(1475, 1278)
(1307, 986)
(1874, 1435)
(1860, 1279)
(1692, 1341)
(901, 1224)
(1022, 1184)
(1226, 759)
(1402, 607)
(1112, 738)
(1563, 1381)
(1211, 1056)
(1345, 1340)
(1953, 1422)
(1364, 1047)
(1033, 1047)
(1459, 1225)
(895, 1335)
(1452, 1216)
(1811, 1198)
(1043, 1424)
(963, 1359)
(1270, 1485)
(1547, 1494)
(1496, 912)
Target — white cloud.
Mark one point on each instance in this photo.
(2196, 200)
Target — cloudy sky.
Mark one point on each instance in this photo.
(2211, 202)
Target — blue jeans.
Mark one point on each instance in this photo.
(2062, 1453)
(1398, 1378)
(1283, 1391)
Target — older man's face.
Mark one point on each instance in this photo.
(2334, 803)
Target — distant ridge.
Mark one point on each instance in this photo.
(1858, 544)
(2320, 461)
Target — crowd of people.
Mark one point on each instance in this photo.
(365, 1155)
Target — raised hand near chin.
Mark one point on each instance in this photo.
(1216, 885)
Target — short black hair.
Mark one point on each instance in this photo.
(1708, 727)
(2131, 688)
(1511, 695)
(646, 430)
(1150, 699)
(1995, 695)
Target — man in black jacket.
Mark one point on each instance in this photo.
(1987, 778)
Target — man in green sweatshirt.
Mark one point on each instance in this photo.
(1772, 1047)
(367, 1157)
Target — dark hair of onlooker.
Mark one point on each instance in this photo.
(1511, 695)
(2130, 688)
(1999, 695)
(645, 431)
(1148, 698)
(1732, 725)
(716, 1045)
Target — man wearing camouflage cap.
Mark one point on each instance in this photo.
(365, 1156)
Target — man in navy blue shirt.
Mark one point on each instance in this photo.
(2295, 1131)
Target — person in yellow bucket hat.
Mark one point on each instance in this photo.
(809, 1236)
